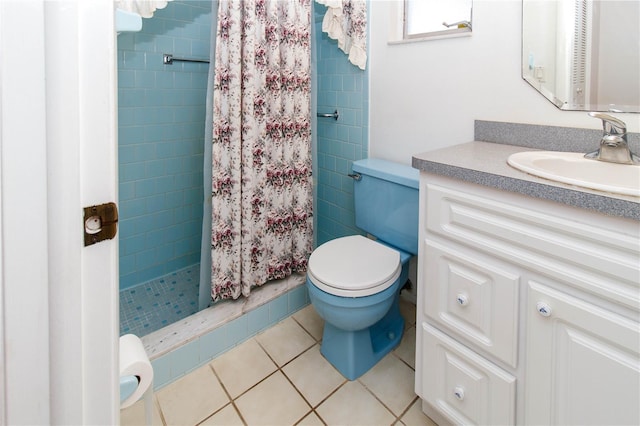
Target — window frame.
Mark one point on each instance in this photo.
(449, 32)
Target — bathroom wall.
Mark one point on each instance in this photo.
(161, 134)
(426, 95)
(344, 87)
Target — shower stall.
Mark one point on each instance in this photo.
(161, 130)
(165, 157)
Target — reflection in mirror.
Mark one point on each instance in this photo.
(426, 18)
(583, 54)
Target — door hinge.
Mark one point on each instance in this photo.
(100, 223)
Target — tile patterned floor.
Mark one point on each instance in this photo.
(149, 306)
(280, 378)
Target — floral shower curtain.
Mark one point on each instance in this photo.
(261, 154)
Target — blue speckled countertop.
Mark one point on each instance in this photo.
(485, 163)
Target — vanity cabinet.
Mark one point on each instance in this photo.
(528, 310)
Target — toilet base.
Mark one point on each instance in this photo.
(353, 353)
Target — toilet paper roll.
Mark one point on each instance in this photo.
(135, 362)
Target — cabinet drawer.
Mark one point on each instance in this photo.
(462, 385)
(474, 298)
(596, 257)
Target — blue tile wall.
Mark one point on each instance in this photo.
(344, 87)
(161, 113)
(205, 348)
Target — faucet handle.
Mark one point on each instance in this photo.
(614, 147)
(611, 125)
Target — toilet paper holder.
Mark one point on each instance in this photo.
(128, 385)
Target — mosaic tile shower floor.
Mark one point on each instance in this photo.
(149, 306)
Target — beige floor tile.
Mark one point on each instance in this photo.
(415, 417)
(243, 367)
(311, 420)
(392, 382)
(313, 375)
(228, 416)
(135, 415)
(352, 404)
(273, 402)
(408, 312)
(285, 340)
(192, 398)
(311, 321)
(407, 348)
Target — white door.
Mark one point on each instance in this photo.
(582, 362)
(59, 347)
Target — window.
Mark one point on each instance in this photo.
(427, 18)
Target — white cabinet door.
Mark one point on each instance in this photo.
(582, 363)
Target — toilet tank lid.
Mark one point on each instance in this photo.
(388, 170)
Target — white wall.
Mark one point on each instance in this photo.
(426, 95)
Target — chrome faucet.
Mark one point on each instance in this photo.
(614, 147)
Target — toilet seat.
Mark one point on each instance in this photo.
(353, 266)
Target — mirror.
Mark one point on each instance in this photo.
(583, 55)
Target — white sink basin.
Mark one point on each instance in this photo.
(574, 169)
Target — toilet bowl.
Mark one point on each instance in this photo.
(362, 317)
(354, 282)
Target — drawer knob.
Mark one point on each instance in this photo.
(543, 309)
(458, 392)
(462, 299)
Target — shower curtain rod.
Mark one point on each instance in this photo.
(168, 59)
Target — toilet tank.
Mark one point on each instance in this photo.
(386, 202)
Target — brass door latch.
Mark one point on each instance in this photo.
(100, 223)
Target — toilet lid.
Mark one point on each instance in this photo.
(354, 266)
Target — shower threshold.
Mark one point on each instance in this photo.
(175, 335)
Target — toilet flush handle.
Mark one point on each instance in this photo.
(355, 176)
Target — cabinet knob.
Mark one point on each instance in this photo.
(543, 309)
(462, 299)
(458, 392)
